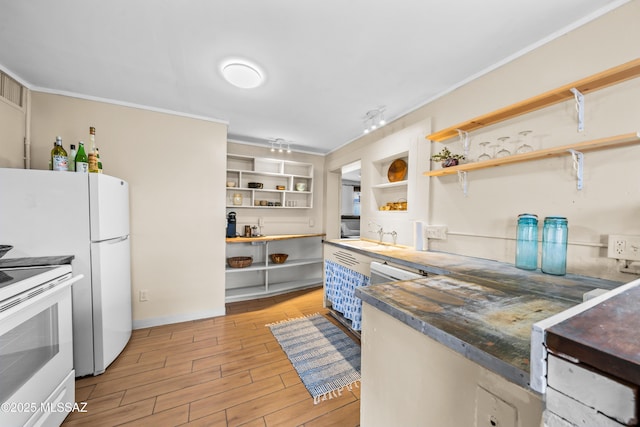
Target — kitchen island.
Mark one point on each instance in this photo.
(456, 341)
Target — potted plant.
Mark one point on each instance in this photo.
(447, 158)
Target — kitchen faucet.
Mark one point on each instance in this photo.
(381, 232)
(394, 235)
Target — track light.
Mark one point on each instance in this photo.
(373, 119)
(280, 144)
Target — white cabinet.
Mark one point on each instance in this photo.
(302, 269)
(283, 184)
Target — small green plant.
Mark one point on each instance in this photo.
(445, 154)
(447, 158)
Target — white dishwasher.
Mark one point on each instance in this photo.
(383, 273)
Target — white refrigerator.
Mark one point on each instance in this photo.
(45, 213)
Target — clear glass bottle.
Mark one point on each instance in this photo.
(72, 158)
(60, 161)
(82, 163)
(93, 159)
(554, 245)
(527, 242)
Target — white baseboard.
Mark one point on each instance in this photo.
(167, 320)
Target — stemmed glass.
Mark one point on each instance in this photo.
(484, 155)
(524, 148)
(503, 151)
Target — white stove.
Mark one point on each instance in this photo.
(36, 345)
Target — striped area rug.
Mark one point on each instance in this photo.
(326, 359)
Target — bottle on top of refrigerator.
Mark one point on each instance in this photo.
(72, 158)
(99, 161)
(60, 161)
(82, 164)
(93, 159)
(51, 157)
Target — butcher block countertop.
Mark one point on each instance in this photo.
(270, 238)
(604, 336)
(480, 308)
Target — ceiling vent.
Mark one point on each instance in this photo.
(10, 89)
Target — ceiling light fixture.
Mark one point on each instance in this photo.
(242, 73)
(280, 144)
(373, 119)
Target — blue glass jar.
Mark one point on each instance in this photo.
(527, 242)
(554, 245)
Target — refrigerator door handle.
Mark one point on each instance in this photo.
(116, 240)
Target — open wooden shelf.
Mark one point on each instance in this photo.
(614, 141)
(592, 83)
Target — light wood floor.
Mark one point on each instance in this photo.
(221, 371)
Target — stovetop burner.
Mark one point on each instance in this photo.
(13, 275)
(20, 279)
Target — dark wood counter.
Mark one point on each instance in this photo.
(604, 336)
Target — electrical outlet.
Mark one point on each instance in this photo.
(144, 295)
(436, 232)
(624, 247)
(492, 411)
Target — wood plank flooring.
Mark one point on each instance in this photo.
(222, 371)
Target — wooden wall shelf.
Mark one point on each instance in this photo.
(592, 83)
(614, 141)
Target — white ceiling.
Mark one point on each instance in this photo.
(327, 62)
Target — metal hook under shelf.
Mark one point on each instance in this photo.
(579, 98)
(462, 181)
(578, 166)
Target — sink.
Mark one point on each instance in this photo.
(368, 245)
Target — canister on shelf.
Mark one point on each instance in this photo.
(527, 242)
(237, 199)
(554, 245)
(247, 231)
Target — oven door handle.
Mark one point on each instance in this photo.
(19, 305)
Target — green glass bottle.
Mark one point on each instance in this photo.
(99, 161)
(82, 162)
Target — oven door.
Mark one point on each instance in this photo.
(36, 355)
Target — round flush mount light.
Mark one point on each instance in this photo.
(242, 73)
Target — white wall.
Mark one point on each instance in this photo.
(175, 169)
(483, 223)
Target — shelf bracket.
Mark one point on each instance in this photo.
(464, 138)
(579, 98)
(578, 166)
(462, 181)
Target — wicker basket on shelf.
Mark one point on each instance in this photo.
(239, 261)
(279, 258)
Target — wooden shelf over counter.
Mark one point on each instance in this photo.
(592, 83)
(270, 238)
(615, 141)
